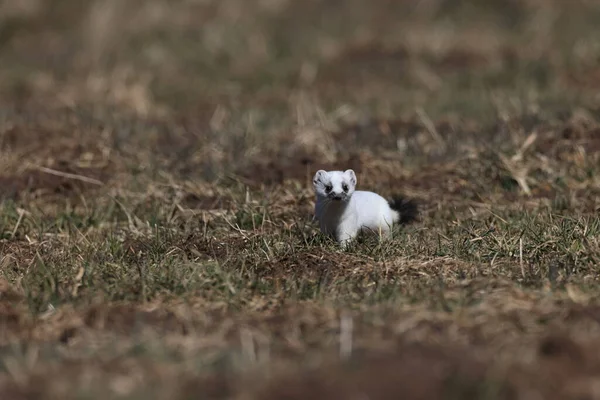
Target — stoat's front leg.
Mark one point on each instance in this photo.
(346, 232)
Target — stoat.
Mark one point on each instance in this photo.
(344, 212)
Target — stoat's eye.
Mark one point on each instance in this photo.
(328, 188)
(345, 187)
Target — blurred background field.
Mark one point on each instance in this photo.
(155, 166)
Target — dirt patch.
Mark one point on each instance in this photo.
(374, 134)
(17, 255)
(561, 141)
(377, 64)
(210, 387)
(9, 293)
(458, 59)
(563, 369)
(206, 202)
(138, 249)
(316, 266)
(578, 134)
(218, 248)
(111, 377)
(13, 320)
(358, 63)
(126, 319)
(74, 182)
(413, 372)
(578, 312)
(10, 318)
(415, 137)
(279, 168)
(586, 79)
(58, 152)
(560, 348)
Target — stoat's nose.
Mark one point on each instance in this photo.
(337, 196)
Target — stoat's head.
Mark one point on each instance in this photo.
(335, 185)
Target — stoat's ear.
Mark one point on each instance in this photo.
(351, 175)
(320, 174)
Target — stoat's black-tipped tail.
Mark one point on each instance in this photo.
(406, 208)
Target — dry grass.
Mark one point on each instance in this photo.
(155, 199)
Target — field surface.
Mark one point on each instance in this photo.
(156, 159)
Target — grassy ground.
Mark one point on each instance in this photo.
(155, 232)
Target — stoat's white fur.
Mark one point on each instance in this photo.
(344, 212)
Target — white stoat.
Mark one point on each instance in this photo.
(343, 212)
